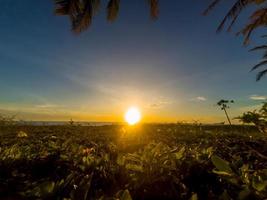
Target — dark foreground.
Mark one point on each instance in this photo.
(122, 163)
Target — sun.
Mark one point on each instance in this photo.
(132, 116)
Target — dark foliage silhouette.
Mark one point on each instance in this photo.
(257, 19)
(81, 12)
(224, 105)
(256, 117)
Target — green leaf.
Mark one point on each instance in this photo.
(86, 184)
(222, 173)
(47, 187)
(258, 183)
(22, 134)
(180, 153)
(194, 197)
(125, 195)
(133, 167)
(209, 151)
(221, 164)
(121, 160)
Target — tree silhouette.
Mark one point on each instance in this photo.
(258, 118)
(81, 12)
(262, 63)
(257, 19)
(223, 104)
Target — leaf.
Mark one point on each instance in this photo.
(180, 153)
(244, 194)
(259, 184)
(133, 157)
(209, 150)
(86, 184)
(261, 74)
(134, 167)
(125, 195)
(222, 173)
(194, 197)
(82, 190)
(47, 187)
(22, 134)
(113, 10)
(221, 164)
(121, 160)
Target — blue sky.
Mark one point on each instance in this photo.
(174, 68)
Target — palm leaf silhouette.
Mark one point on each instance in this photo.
(262, 47)
(261, 74)
(113, 10)
(257, 19)
(264, 62)
(81, 12)
(154, 9)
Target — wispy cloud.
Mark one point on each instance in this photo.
(258, 97)
(160, 104)
(47, 106)
(199, 98)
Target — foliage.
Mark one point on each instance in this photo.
(258, 118)
(7, 120)
(257, 19)
(81, 12)
(224, 104)
(175, 161)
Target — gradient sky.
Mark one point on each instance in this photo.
(175, 68)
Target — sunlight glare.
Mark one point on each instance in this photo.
(132, 116)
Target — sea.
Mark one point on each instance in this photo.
(62, 123)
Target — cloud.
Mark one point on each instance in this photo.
(47, 106)
(199, 98)
(160, 104)
(258, 97)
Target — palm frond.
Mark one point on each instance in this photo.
(232, 23)
(113, 10)
(67, 7)
(96, 6)
(84, 18)
(264, 62)
(211, 6)
(63, 7)
(80, 12)
(264, 55)
(262, 47)
(258, 19)
(233, 13)
(154, 9)
(261, 74)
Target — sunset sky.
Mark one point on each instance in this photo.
(175, 68)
